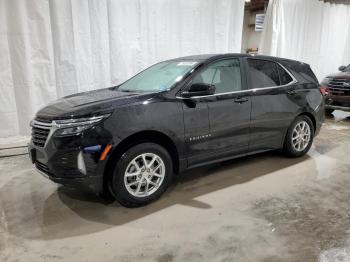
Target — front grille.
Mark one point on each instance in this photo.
(339, 86)
(40, 132)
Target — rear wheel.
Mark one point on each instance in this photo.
(141, 175)
(328, 111)
(299, 137)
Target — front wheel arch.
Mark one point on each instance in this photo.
(135, 139)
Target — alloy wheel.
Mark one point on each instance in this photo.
(144, 175)
(301, 136)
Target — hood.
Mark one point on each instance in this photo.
(87, 103)
(345, 75)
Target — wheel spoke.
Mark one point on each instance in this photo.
(144, 160)
(136, 165)
(158, 175)
(133, 183)
(299, 144)
(127, 174)
(152, 161)
(152, 183)
(137, 191)
(147, 187)
(156, 169)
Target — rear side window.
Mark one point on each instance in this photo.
(263, 73)
(285, 78)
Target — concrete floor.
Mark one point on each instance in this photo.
(262, 208)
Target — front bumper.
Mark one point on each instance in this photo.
(338, 103)
(67, 161)
(335, 107)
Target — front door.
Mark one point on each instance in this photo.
(228, 110)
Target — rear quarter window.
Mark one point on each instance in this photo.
(301, 71)
(285, 78)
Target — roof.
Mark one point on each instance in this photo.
(205, 57)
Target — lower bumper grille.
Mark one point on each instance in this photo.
(42, 167)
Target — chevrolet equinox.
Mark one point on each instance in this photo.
(127, 141)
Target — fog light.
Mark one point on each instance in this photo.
(81, 163)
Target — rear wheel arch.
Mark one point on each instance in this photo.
(309, 115)
(291, 149)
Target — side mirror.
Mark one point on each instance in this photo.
(342, 68)
(199, 89)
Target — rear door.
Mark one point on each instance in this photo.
(274, 104)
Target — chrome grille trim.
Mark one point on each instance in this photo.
(41, 131)
(339, 86)
(42, 125)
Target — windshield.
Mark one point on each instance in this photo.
(159, 77)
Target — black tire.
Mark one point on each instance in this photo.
(328, 112)
(117, 185)
(288, 148)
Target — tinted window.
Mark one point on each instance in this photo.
(263, 73)
(225, 75)
(302, 72)
(285, 78)
(159, 77)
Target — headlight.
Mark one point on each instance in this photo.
(68, 127)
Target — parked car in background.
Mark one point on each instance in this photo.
(336, 89)
(130, 139)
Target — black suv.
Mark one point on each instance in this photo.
(129, 140)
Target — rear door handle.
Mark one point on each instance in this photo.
(292, 92)
(240, 100)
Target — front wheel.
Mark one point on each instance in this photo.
(141, 175)
(299, 137)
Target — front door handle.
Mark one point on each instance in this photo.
(240, 100)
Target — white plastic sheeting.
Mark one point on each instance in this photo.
(52, 48)
(311, 31)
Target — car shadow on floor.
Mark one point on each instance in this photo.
(83, 213)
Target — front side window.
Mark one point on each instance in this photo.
(225, 75)
(159, 77)
(263, 73)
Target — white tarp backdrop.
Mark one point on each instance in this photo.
(52, 48)
(311, 31)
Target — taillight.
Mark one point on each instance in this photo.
(324, 90)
